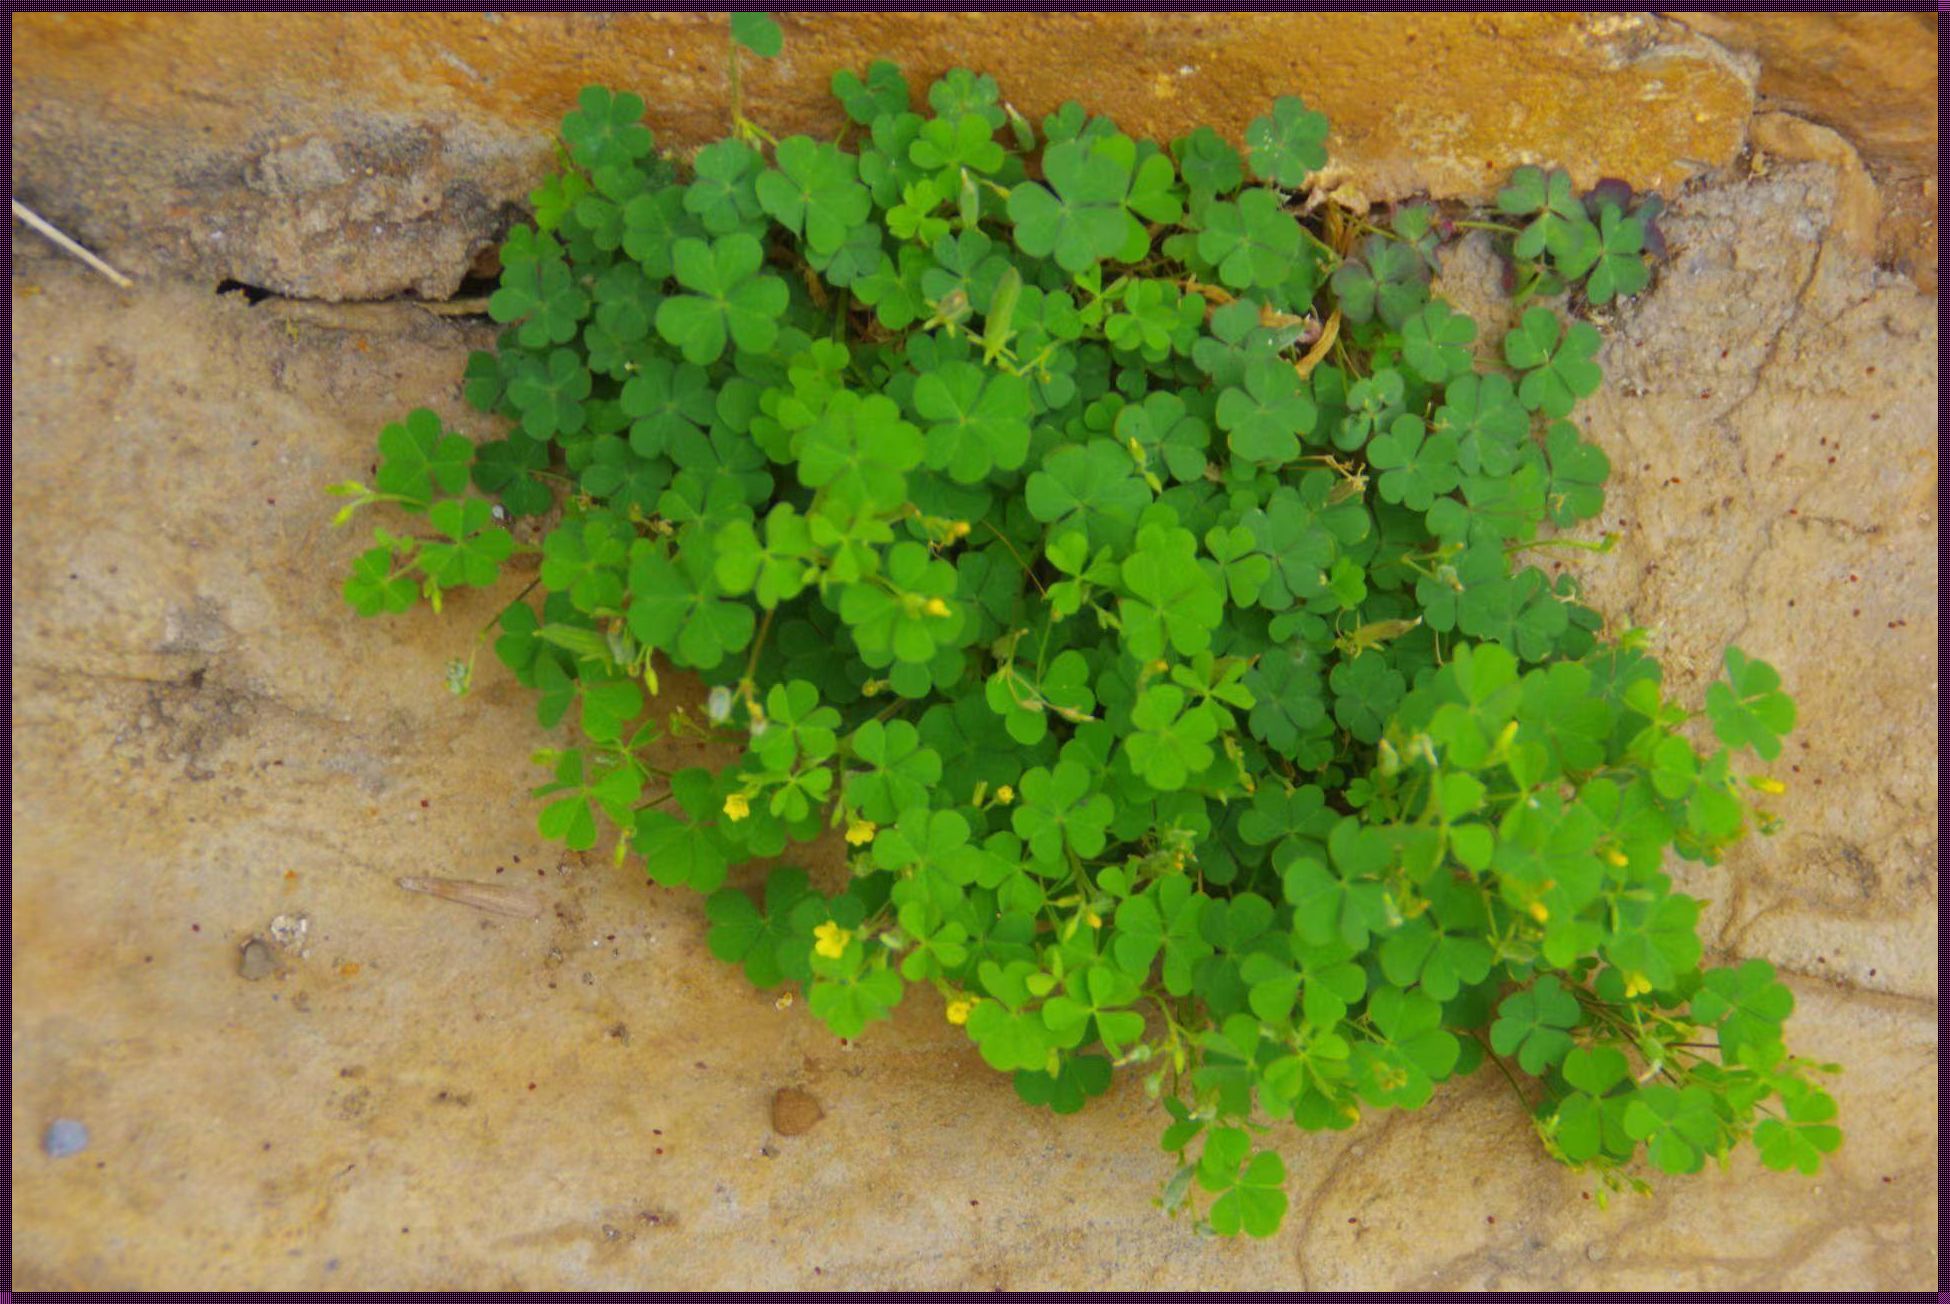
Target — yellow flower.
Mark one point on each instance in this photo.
(1773, 787)
(1092, 918)
(737, 806)
(1004, 795)
(1540, 912)
(1618, 858)
(1636, 984)
(958, 1010)
(859, 832)
(958, 529)
(831, 940)
(935, 607)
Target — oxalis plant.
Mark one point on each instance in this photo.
(1136, 567)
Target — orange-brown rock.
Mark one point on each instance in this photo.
(1872, 79)
(354, 155)
(1870, 76)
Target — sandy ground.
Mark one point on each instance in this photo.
(394, 1091)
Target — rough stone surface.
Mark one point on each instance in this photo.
(354, 156)
(207, 746)
(1872, 79)
(1871, 76)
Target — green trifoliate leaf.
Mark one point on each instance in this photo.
(961, 92)
(550, 394)
(1211, 167)
(1435, 343)
(894, 771)
(419, 457)
(373, 586)
(757, 33)
(1414, 468)
(1534, 1025)
(1252, 242)
(731, 301)
(1059, 808)
(813, 192)
(1267, 417)
(762, 941)
(1488, 423)
(1389, 280)
(884, 92)
(1620, 271)
(1578, 474)
(1803, 1137)
(608, 130)
(1095, 485)
(1557, 362)
(980, 420)
(1078, 217)
(675, 607)
(1171, 599)
(1171, 743)
(1289, 145)
(1750, 710)
(858, 451)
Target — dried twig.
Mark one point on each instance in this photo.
(48, 229)
(491, 897)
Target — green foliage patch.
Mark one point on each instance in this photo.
(1139, 573)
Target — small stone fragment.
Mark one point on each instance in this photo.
(288, 931)
(256, 961)
(64, 1137)
(794, 1112)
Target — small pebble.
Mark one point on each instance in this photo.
(256, 962)
(65, 1137)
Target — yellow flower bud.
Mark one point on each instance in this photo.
(737, 806)
(935, 607)
(958, 529)
(1636, 984)
(1773, 787)
(1617, 858)
(860, 832)
(958, 1010)
(1540, 912)
(1092, 918)
(1004, 795)
(829, 940)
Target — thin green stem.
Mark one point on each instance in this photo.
(1026, 570)
(758, 642)
(1605, 545)
(1502, 1068)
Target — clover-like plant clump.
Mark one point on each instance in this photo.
(1137, 574)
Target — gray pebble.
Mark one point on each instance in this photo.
(64, 1137)
(256, 962)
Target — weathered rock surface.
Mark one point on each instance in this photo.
(208, 746)
(1871, 79)
(355, 156)
(1871, 76)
